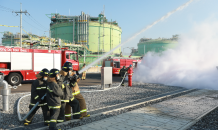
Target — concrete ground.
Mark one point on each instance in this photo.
(91, 79)
(175, 114)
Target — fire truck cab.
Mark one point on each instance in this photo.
(118, 62)
(19, 64)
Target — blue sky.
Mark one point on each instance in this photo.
(131, 15)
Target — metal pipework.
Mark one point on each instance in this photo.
(5, 92)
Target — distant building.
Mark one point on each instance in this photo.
(155, 45)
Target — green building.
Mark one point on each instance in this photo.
(96, 33)
(155, 45)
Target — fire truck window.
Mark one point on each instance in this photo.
(117, 64)
(67, 55)
(73, 56)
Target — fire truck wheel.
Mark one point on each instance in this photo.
(14, 79)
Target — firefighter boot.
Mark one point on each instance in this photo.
(88, 115)
(27, 122)
(53, 128)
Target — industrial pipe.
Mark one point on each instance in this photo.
(5, 92)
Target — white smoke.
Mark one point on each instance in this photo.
(192, 64)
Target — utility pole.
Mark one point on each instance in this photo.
(21, 22)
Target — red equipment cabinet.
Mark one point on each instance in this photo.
(118, 62)
(19, 64)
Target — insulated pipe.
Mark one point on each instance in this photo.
(86, 28)
(5, 92)
(77, 29)
(82, 26)
(18, 106)
(88, 31)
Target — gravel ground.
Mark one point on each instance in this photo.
(208, 122)
(94, 100)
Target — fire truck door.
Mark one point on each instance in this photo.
(73, 58)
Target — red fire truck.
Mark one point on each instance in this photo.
(20, 64)
(118, 62)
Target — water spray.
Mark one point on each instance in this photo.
(134, 36)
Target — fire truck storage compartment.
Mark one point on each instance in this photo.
(57, 61)
(46, 60)
(21, 61)
(5, 56)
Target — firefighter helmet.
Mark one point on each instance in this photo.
(44, 72)
(67, 66)
(53, 73)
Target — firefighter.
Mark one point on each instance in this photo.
(79, 97)
(123, 74)
(66, 75)
(38, 90)
(54, 93)
(121, 55)
(84, 72)
(64, 98)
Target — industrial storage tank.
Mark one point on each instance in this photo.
(97, 33)
(156, 45)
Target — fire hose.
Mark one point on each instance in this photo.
(18, 112)
(18, 106)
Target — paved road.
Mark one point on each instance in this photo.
(91, 79)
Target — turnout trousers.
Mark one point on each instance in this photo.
(45, 111)
(122, 78)
(74, 104)
(54, 116)
(82, 104)
(62, 113)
